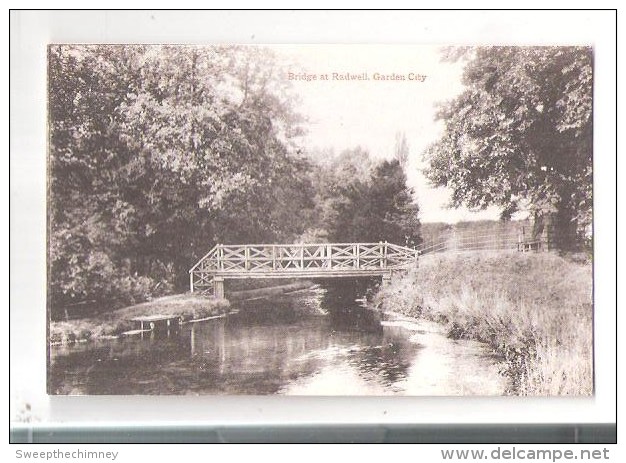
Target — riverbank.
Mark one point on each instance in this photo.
(448, 367)
(533, 310)
(111, 324)
(188, 306)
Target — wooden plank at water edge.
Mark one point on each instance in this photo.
(150, 322)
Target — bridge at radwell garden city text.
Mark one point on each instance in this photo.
(327, 260)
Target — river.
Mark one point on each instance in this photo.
(305, 343)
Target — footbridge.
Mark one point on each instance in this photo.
(326, 260)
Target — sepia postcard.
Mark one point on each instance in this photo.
(320, 220)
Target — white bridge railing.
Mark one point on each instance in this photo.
(336, 259)
(299, 260)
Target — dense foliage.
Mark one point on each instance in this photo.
(520, 136)
(156, 153)
(362, 200)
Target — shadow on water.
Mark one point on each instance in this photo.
(341, 300)
(263, 349)
(266, 312)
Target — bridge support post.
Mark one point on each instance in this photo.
(386, 280)
(218, 287)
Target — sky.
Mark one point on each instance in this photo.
(344, 114)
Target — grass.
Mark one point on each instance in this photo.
(535, 310)
(188, 306)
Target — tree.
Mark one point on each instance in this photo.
(157, 153)
(212, 120)
(331, 177)
(360, 200)
(90, 224)
(401, 150)
(520, 135)
(393, 211)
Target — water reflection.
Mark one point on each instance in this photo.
(310, 342)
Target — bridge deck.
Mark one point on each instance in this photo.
(326, 260)
(301, 274)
